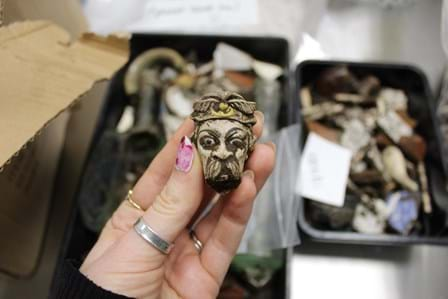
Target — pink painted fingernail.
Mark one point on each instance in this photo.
(184, 158)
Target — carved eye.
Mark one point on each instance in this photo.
(207, 142)
(237, 142)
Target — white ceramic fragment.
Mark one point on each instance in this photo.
(205, 68)
(177, 102)
(168, 74)
(227, 57)
(393, 99)
(368, 222)
(395, 165)
(266, 70)
(126, 120)
(394, 126)
(355, 136)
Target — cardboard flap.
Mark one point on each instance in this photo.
(42, 74)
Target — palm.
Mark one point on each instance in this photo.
(183, 274)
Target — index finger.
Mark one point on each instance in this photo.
(156, 175)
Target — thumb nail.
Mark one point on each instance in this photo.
(185, 152)
(271, 145)
(260, 115)
(249, 173)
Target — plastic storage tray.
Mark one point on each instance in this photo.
(415, 84)
(79, 239)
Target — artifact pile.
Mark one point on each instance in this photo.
(387, 186)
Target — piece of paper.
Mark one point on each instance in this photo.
(323, 171)
(172, 14)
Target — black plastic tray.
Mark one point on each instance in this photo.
(415, 84)
(79, 239)
(270, 49)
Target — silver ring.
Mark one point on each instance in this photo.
(196, 242)
(150, 236)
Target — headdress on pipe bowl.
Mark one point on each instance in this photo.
(223, 137)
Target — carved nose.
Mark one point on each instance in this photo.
(221, 153)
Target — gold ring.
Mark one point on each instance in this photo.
(133, 203)
(196, 242)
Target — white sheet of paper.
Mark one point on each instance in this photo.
(323, 171)
(175, 14)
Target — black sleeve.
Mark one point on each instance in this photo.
(69, 283)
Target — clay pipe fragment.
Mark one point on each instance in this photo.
(395, 165)
(415, 147)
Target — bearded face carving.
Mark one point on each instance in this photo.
(223, 137)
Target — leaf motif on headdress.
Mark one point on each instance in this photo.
(244, 106)
(204, 104)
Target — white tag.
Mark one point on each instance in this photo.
(175, 14)
(324, 170)
(127, 120)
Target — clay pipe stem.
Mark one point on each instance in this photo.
(427, 208)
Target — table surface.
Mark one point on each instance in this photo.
(368, 272)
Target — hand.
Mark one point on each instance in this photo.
(122, 262)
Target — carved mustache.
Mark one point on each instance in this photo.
(215, 168)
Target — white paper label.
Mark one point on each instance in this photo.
(324, 170)
(173, 14)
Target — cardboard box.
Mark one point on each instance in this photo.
(42, 75)
(67, 13)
